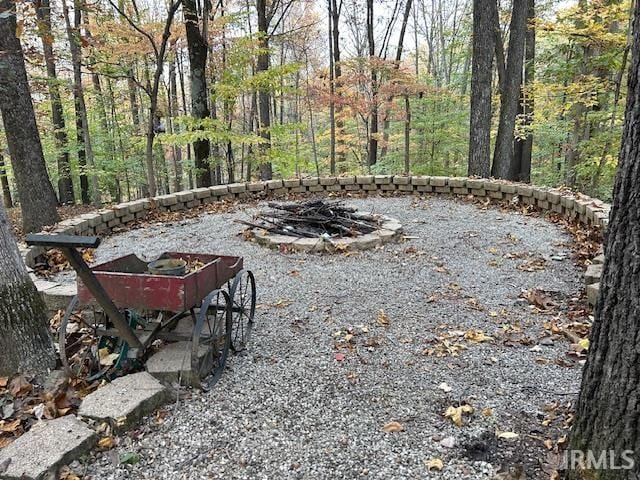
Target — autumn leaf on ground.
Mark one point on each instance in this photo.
(506, 435)
(477, 336)
(383, 319)
(434, 464)
(393, 427)
(20, 386)
(455, 413)
(4, 381)
(107, 443)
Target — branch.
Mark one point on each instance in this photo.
(136, 27)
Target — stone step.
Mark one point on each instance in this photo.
(172, 363)
(593, 274)
(45, 448)
(125, 401)
(592, 293)
(599, 260)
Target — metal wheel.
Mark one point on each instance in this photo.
(211, 339)
(85, 354)
(243, 294)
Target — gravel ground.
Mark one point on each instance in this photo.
(289, 408)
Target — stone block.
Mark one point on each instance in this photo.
(298, 189)
(438, 181)
(401, 180)
(369, 187)
(497, 195)
(364, 179)
(460, 191)
(58, 297)
(94, 219)
(542, 204)
(525, 191)
(593, 273)
(256, 186)
(442, 189)
(185, 196)
(556, 207)
(478, 192)
(219, 190)
(420, 180)
(128, 218)
(193, 203)
(352, 188)
(291, 182)
(138, 205)
(553, 197)
(407, 188)
(382, 179)
(333, 188)
(598, 260)
(311, 181)
(347, 180)
(172, 363)
(200, 193)
(592, 293)
(328, 181)
(509, 188)
(177, 207)
(121, 209)
(386, 187)
(106, 215)
(167, 200)
(475, 183)
(49, 445)
(457, 182)
(274, 184)
(124, 401)
(424, 188)
(113, 222)
(492, 186)
(237, 187)
(539, 194)
(316, 188)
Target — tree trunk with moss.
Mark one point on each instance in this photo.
(25, 343)
(607, 412)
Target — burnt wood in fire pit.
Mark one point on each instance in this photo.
(313, 219)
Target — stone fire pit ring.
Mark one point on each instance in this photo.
(390, 231)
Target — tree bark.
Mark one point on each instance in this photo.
(4, 183)
(198, 50)
(37, 198)
(524, 147)
(25, 344)
(65, 183)
(607, 413)
(481, 73)
(373, 120)
(336, 10)
(82, 122)
(503, 157)
(173, 112)
(262, 65)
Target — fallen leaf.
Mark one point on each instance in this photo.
(584, 344)
(19, 386)
(477, 336)
(434, 464)
(339, 357)
(507, 435)
(487, 412)
(393, 427)
(383, 319)
(106, 443)
(9, 427)
(4, 381)
(455, 413)
(130, 458)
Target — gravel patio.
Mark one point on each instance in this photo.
(327, 372)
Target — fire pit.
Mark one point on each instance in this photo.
(320, 226)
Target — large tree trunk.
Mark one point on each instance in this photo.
(198, 50)
(524, 147)
(607, 413)
(4, 184)
(37, 199)
(503, 157)
(264, 112)
(336, 10)
(65, 183)
(25, 343)
(173, 112)
(481, 73)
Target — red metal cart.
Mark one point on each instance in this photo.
(121, 310)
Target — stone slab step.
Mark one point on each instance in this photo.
(593, 274)
(599, 260)
(46, 447)
(125, 401)
(592, 293)
(172, 363)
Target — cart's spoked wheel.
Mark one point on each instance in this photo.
(243, 293)
(211, 339)
(83, 353)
